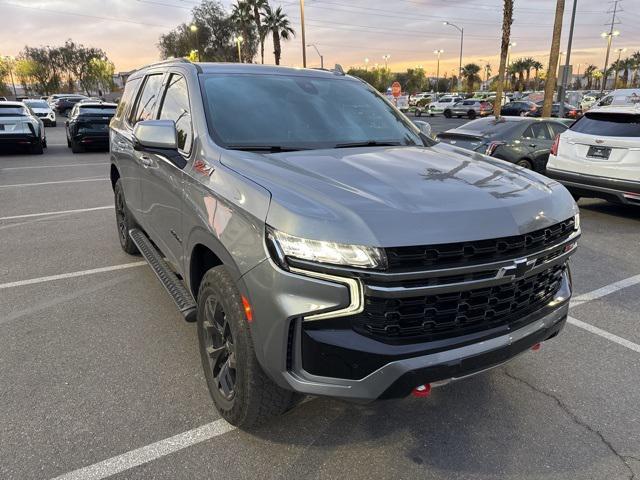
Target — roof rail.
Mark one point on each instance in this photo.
(164, 62)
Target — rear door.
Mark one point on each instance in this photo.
(162, 182)
(605, 144)
(537, 141)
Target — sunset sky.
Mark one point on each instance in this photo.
(345, 31)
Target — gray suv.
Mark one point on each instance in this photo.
(325, 245)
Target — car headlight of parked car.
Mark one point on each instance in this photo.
(286, 246)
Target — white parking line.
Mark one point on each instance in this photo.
(606, 290)
(603, 333)
(59, 212)
(101, 179)
(55, 166)
(146, 454)
(82, 273)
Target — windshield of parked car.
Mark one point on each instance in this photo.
(12, 111)
(608, 124)
(37, 103)
(301, 112)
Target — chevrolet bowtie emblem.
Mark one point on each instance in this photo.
(519, 268)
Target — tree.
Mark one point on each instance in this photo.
(276, 22)
(6, 66)
(537, 66)
(100, 75)
(550, 85)
(414, 80)
(588, 75)
(259, 6)
(635, 57)
(242, 16)
(470, 74)
(507, 20)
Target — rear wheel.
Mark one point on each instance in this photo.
(76, 147)
(37, 148)
(524, 163)
(124, 221)
(472, 114)
(241, 391)
(418, 112)
(447, 113)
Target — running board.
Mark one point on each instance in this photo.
(174, 286)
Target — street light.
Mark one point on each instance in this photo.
(386, 61)
(9, 59)
(238, 41)
(461, 30)
(318, 51)
(438, 52)
(194, 29)
(366, 64)
(609, 36)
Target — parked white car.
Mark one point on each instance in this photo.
(438, 107)
(599, 156)
(413, 101)
(622, 96)
(587, 102)
(42, 110)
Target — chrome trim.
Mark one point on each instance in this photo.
(356, 304)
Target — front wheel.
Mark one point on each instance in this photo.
(241, 391)
(418, 113)
(447, 113)
(124, 221)
(524, 163)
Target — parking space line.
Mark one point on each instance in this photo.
(54, 166)
(82, 273)
(59, 212)
(606, 290)
(603, 333)
(148, 453)
(101, 179)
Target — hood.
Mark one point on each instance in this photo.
(41, 110)
(397, 196)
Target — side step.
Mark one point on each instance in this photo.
(184, 300)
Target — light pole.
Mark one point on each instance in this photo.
(304, 50)
(438, 53)
(619, 50)
(9, 59)
(194, 29)
(511, 44)
(318, 51)
(366, 64)
(609, 36)
(239, 40)
(386, 61)
(461, 30)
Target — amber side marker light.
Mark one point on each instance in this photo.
(247, 309)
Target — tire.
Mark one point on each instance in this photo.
(523, 114)
(523, 162)
(447, 113)
(418, 113)
(44, 143)
(124, 221)
(459, 116)
(68, 142)
(575, 196)
(241, 391)
(471, 114)
(54, 124)
(76, 147)
(37, 148)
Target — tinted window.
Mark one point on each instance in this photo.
(537, 130)
(468, 102)
(37, 103)
(147, 99)
(127, 97)
(301, 112)
(606, 100)
(557, 128)
(95, 110)
(608, 124)
(175, 106)
(12, 111)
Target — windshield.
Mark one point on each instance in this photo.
(608, 124)
(12, 111)
(299, 112)
(37, 103)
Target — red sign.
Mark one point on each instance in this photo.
(396, 89)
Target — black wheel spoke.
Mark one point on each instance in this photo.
(214, 352)
(219, 347)
(225, 380)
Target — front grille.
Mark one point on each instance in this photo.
(41, 114)
(467, 253)
(448, 315)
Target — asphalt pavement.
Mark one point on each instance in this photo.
(101, 378)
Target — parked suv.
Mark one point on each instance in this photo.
(471, 108)
(323, 243)
(88, 125)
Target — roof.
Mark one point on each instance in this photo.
(625, 108)
(11, 104)
(97, 104)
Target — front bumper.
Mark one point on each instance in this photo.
(612, 189)
(283, 302)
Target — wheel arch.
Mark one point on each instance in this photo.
(114, 175)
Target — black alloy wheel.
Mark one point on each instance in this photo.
(220, 348)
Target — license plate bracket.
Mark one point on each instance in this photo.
(600, 153)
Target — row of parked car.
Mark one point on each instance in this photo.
(597, 155)
(22, 124)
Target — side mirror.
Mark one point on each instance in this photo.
(160, 134)
(424, 127)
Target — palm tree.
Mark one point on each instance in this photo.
(259, 6)
(636, 67)
(588, 74)
(550, 85)
(626, 65)
(470, 74)
(537, 66)
(276, 22)
(507, 20)
(242, 16)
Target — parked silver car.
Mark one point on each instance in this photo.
(20, 126)
(470, 108)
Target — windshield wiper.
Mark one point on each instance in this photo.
(368, 143)
(264, 148)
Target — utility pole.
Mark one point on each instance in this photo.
(304, 43)
(609, 36)
(461, 30)
(438, 52)
(565, 70)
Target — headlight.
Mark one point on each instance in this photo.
(576, 222)
(325, 252)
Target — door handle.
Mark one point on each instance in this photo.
(146, 161)
(534, 145)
